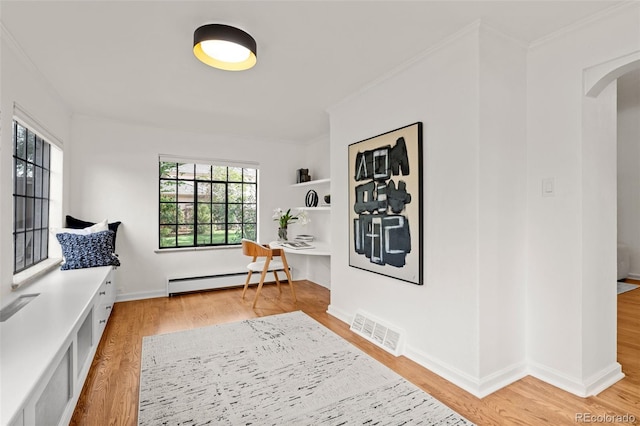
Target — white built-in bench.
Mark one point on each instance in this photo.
(46, 347)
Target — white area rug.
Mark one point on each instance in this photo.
(279, 370)
(624, 287)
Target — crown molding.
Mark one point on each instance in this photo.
(583, 23)
(468, 29)
(317, 139)
(518, 42)
(24, 58)
(475, 26)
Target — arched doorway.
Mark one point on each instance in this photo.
(599, 230)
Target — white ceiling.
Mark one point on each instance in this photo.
(132, 60)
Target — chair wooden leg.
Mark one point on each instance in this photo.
(293, 292)
(246, 284)
(288, 273)
(262, 277)
(275, 274)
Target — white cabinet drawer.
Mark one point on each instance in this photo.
(105, 299)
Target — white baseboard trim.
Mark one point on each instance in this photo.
(500, 379)
(590, 387)
(603, 379)
(141, 295)
(478, 387)
(481, 387)
(633, 276)
(339, 314)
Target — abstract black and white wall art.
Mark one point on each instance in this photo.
(385, 204)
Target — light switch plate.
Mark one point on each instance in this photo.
(548, 187)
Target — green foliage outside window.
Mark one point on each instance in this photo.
(204, 205)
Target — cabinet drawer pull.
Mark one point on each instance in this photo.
(108, 282)
(103, 321)
(102, 293)
(108, 307)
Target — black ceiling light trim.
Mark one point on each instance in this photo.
(225, 47)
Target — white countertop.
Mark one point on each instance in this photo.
(32, 337)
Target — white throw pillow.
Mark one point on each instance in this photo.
(98, 227)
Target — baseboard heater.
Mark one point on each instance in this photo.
(184, 284)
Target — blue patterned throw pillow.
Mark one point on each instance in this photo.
(87, 251)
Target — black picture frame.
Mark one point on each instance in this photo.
(386, 204)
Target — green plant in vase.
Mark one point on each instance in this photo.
(286, 218)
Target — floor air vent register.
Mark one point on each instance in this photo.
(387, 337)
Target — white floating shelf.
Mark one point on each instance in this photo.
(312, 182)
(325, 208)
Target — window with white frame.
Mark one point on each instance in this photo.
(31, 196)
(206, 203)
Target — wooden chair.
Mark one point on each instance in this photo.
(269, 264)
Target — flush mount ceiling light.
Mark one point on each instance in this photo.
(224, 47)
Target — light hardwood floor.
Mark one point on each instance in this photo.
(110, 394)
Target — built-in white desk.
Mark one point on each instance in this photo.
(312, 264)
(319, 248)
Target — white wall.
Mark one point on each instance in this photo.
(21, 84)
(539, 301)
(316, 158)
(502, 204)
(114, 174)
(599, 247)
(570, 290)
(628, 170)
(466, 322)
